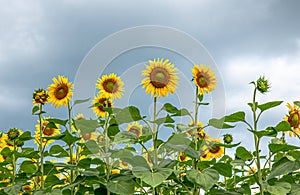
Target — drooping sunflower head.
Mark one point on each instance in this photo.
(100, 102)
(111, 85)
(214, 150)
(294, 119)
(161, 78)
(40, 96)
(60, 91)
(204, 79)
(262, 85)
(47, 130)
(135, 128)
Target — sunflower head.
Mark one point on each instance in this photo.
(204, 79)
(214, 150)
(13, 133)
(111, 85)
(135, 128)
(60, 91)
(293, 118)
(47, 130)
(40, 96)
(227, 138)
(262, 85)
(182, 157)
(161, 78)
(100, 102)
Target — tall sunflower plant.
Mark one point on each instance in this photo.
(119, 151)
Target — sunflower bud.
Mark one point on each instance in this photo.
(262, 84)
(13, 133)
(40, 96)
(227, 138)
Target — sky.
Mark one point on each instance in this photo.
(42, 39)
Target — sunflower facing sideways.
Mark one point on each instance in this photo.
(60, 91)
(160, 78)
(204, 78)
(294, 119)
(47, 131)
(111, 85)
(136, 128)
(100, 102)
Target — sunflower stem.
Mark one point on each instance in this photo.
(41, 147)
(106, 138)
(155, 132)
(71, 147)
(256, 141)
(195, 190)
(14, 164)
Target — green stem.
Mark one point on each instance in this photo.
(107, 160)
(72, 174)
(14, 164)
(154, 137)
(256, 140)
(195, 190)
(41, 148)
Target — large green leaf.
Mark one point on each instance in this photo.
(205, 179)
(281, 147)
(80, 101)
(68, 138)
(121, 186)
(136, 161)
(283, 126)
(182, 112)
(25, 136)
(219, 123)
(152, 178)
(243, 153)
(235, 117)
(295, 189)
(269, 132)
(28, 167)
(126, 137)
(170, 108)
(279, 188)
(283, 166)
(57, 121)
(13, 190)
(269, 105)
(166, 119)
(126, 115)
(58, 151)
(86, 126)
(224, 169)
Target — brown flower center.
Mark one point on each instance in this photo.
(135, 130)
(104, 103)
(159, 77)
(201, 80)
(294, 120)
(47, 131)
(61, 91)
(87, 136)
(214, 149)
(110, 86)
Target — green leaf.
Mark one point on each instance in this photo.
(113, 129)
(121, 187)
(35, 109)
(219, 123)
(281, 147)
(80, 101)
(270, 132)
(152, 178)
(182, 112)
(58, 151)
(136, 161)
(53, 192)
(297, 103)
(279, 188)
(295, 189)
(160, 121)
(13, 190)
(205, 179)
(92, 146)
(86, 126)
(269, 105)
(243, 153)
(224, 169)
(54, 137)
(52, 180)
(226, 145)
(126, 137)
(170, 108)
(69, 139)
(126, 115)
(283, 126)
(25, 136)
(283, 166)
(235, 117)
(182, 127)
(28, 167)
(57, 121)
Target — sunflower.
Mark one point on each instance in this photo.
(60, 91)
(204, 79)
(100, 102)
(28, 187)
(252, 170)
(135, 128)
(7, 139)
(124, 165)
(5, 142)
(47, 131)
(215, 151)
(182, 157)
(40, 96)
(294, 119)
(115, 171)
(111, 85)
(75, 158)
(160, 78)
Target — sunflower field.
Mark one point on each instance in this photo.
(119, 150)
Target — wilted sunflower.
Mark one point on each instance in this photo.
(60, 91)
(204, 79)
(135, 128)
(215, 151)
(47, 131)
(160, 78)
(111, 85)
(294, 119)
(100, 102)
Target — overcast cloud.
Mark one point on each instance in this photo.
(41, 39)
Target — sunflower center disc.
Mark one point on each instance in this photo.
(214, 149)
(48, 131)
(159, 77)
(202, 81)
(135, 130)
(61, 92)
(110, 86)
(295, 120)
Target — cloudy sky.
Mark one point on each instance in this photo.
(42, 39)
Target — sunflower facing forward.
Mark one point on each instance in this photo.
(215, 151)
(294, 119)
(204, 78)
(111, 85)
(60, 91)
(100, 102)
(160, 78)
(47, 131)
